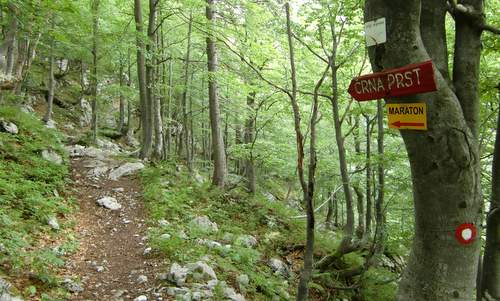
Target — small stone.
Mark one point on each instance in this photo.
(279, 267)
(242, 280)
(165, 236)
(53, 223)
(247, 241)
(8, 127)
(119, 189)
(72, 286)
(182, 235)
(232, 295)
(147, 251)
(110, 203)
(52, 156)
(142, 279)
(204, 224)
(163, 223)
(141, 298)
(270, 197)
(99, 269)
(51, 124)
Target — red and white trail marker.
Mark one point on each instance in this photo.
(466, 233)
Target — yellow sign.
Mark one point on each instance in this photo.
(407, 116)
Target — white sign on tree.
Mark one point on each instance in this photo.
(375, 32)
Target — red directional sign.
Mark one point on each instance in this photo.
(399, 124)
(411, 79)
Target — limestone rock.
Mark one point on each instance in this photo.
(247, 241)
(109, 202)
(125, 169)
(53, 223)
(204, 224)
(279, 267)
(232, 295)
(8, 127)
(141, 298)
(177, 274)
(201, 271)
(52, 156)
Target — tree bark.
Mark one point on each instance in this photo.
(51, 82)
(368, 221)
(146, 139)
(380, 232)
(121, 122)
(93, 82)
(153, 117)
(219, 154)
(444, 163)
(490, 280)
(249, 137)
(185, 91)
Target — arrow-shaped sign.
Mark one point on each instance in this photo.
(407, 116)
(399, 124)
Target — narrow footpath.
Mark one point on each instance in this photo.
(113, 262)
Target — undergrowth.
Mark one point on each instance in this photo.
(177, 197)
(31, 193)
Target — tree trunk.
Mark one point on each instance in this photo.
(220, 167)
(153, 117)
(95, 28)
(368, 221)
(146, 138)
(185, 92)
(249, 138)
(8, 42)
(444, 160)
(380, 233)
(130, 120)
(51, 83)
(490, 280)
(121, 122)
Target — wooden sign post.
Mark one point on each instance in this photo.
(408, 80)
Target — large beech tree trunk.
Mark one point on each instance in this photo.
(490, 282)
(185, 90)
(219, 154)
(248, 139)
(444, 159)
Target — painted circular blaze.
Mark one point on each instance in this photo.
(466, 233)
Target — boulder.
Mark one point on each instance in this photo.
(279, 267)
(5, 292)
(232, 295)
(201, 271)
(8, 127)
(52, 156)
(242, 281)
(109, 202)
(72, 286)
(125, 169)
(270, 197)
(177, 274)
(247, 241)
(204, 224)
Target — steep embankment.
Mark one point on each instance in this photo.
(33, 208)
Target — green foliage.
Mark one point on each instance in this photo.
(29, 195)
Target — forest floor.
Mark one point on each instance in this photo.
(112, 261)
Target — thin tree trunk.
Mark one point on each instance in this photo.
(368, 221)
(146, 140)
(379, 203)
(185, 91)
(121, 122)
(51, 83)
(95, 28)
(249, 141)
(130, 119)
(10, 36)
(169, 109)
(220, 167)
(154, 122)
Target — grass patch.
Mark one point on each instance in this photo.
(31, 192)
